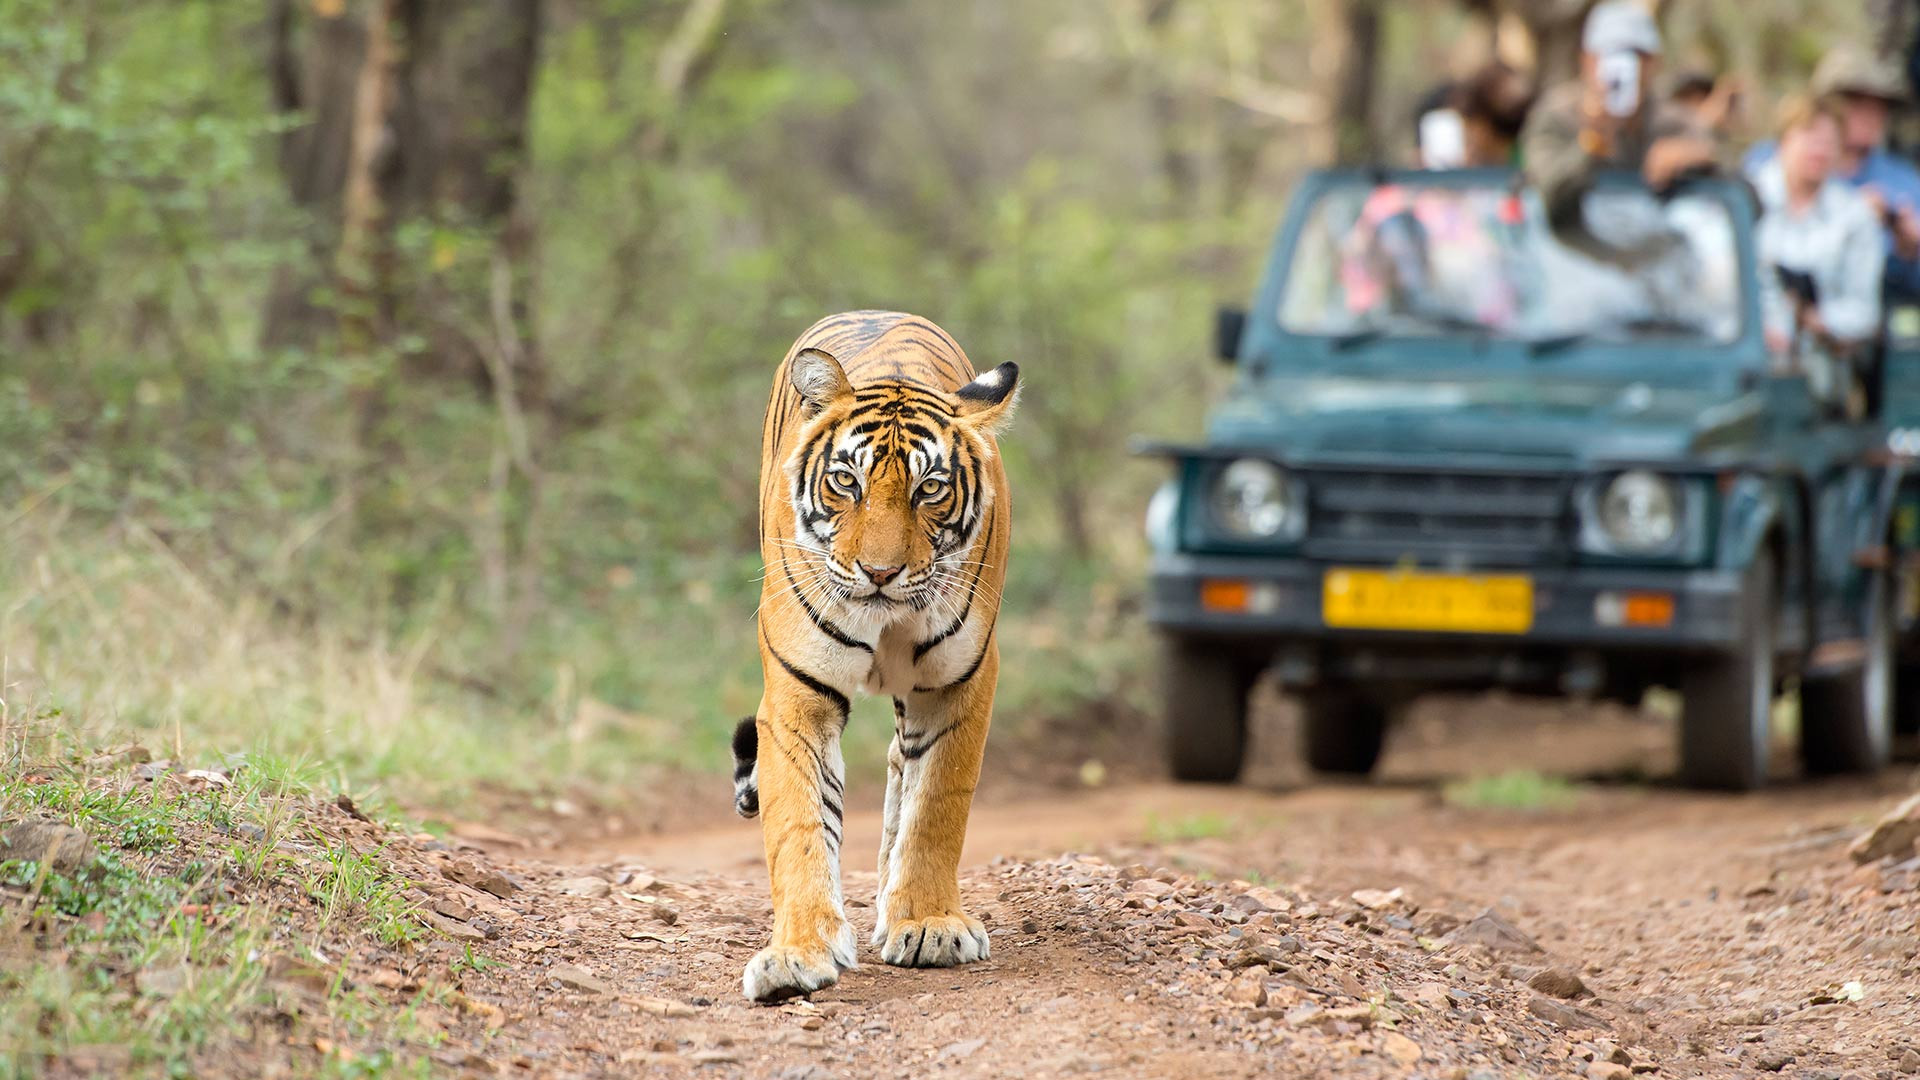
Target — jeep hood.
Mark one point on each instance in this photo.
(1496, 421)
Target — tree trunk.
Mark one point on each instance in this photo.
(1344, 64)
(414, 111)
(362, 262)
(1554, 27)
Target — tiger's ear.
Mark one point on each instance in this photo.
(987, 402)
(819, 380)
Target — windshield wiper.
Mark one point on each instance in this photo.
(1355, 338)
(1414, 324)
(1551, 344)
(1662, 325)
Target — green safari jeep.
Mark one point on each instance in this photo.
(1463, 451)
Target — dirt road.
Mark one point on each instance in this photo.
(1364, 930)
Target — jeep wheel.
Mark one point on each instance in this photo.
(1727, 701)
(1906, 701)
(1846, 721)
(1341, 731)
(1205, 690)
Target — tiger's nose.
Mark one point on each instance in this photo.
(880, 575)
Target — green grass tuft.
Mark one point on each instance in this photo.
(1521, 789)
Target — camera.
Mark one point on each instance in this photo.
(1619, 74)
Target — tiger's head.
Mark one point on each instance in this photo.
(889, 484)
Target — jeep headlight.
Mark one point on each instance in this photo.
(1637, 512)
(1256, 500)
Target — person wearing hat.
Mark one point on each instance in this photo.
(1865, 89)
(1609, 119)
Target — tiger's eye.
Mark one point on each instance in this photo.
(933, 489)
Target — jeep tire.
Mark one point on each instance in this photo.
(1846, 720)
(1342, 731)
(1727, 700)
(1204, 687)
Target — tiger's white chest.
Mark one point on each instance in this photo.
(892, 668)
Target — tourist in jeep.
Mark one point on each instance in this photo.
(1820, 254)
(1609, 120)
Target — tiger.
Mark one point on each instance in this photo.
(885, 522)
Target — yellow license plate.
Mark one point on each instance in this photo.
(1412, 600)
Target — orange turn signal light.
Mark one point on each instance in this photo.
(1634, 609)
(1649, 609)
(1224, 595)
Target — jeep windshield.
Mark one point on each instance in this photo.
(1451, 256)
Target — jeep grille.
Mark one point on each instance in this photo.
(1438, 518)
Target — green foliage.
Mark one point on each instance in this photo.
(349, 549)
(1191, 827)
(1521, 789)
(162, 947)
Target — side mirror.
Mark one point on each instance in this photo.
(1229, 325)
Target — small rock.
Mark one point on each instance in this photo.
(713, 1057)
(575, 977)
(960, 1051)
(586, 886)
(152, 770)
(1029, 926)
(1400, 1048)
(62, 848)
(1563, 1015)
(1249, 989)
(1375, 899)
(1894, 834)
(1493, 931)
(473, 875)
(1151, 887)
(458, 931)
(453, 908)
(1557, 981)
(1258, 954)
(1607, 1070)
(1896, 946)
(1261, 898)
(1910, 1061)
(1773, 1062)
(659, 1006)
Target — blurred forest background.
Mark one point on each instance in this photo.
(382, 378)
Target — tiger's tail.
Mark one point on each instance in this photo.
(746, 768)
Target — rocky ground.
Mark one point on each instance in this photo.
(1641, 932)
(1607, 929)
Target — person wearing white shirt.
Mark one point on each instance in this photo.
(1825, 233)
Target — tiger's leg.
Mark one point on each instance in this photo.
(890, 820)
(802, 784)
(940, 742)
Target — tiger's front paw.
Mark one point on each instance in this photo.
(935, 941)
(779, 972)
